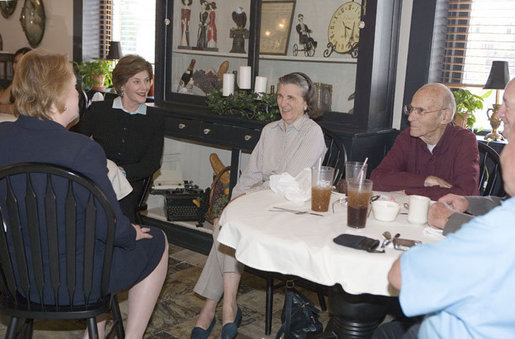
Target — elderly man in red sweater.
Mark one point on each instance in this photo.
(432, 157)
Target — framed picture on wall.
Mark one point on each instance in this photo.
(33, 21)
(8, 7)
(276, 21)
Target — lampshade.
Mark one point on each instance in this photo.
(499, 75)
(115, 51)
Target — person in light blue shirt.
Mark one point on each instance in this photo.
(464, 284)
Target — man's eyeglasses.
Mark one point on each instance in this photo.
(407, 109)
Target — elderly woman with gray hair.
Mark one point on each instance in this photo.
(287, 145)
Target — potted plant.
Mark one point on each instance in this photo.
(95, 74)
(466, 104)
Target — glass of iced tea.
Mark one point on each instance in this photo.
(358, 198)
(321, 185)
(352, 170)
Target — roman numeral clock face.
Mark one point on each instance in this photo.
(343, 31)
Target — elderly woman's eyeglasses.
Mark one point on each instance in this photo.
(407, 109)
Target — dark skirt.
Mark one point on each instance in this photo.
(133, 265)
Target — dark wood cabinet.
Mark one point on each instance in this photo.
(372, 73)
(364, 128)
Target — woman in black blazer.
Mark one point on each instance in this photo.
(130, 135)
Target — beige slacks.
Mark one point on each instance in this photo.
(221, 260)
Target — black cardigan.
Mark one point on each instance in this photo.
(132, 141)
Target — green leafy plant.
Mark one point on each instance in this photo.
(467, 104)
(245, 105)
(89, 71)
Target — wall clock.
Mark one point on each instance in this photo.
(343, 30)
(8, 7)
(32, 20)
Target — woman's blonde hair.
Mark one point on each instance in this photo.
(40, 81)
(127, 67)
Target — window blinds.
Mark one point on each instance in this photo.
(106, 21)
(478, 32)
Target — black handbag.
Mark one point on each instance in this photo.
(299, 316)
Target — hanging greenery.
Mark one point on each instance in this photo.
(245, 105)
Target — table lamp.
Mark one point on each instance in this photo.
(498, 78)
(115, 50)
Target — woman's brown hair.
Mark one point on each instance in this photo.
(127, 67)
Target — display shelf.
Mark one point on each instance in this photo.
(309, 59)
(268, 57)
(158, 214)
(362, 86)
(181, 233)
(210, 53)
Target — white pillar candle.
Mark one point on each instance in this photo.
(244, 77)
(260, 84)
(228, 87)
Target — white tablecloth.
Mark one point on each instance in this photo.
(302, 245)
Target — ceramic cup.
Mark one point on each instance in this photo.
(385, 210)
(418, 207)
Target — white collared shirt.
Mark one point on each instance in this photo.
(117, 103)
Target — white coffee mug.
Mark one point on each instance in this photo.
(418, 208)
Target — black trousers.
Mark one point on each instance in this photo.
(130, 203)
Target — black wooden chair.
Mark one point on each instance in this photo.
(335, 156)
(490, 176)
(50, 217)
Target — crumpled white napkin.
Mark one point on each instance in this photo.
(296, 189)
(121, 185)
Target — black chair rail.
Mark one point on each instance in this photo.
(50, 217)
(490, 176)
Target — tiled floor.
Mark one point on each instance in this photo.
(177, 307)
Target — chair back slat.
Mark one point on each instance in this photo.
(31, 210)
(70, 234)
(490, 177)
(20, 258)
(89, 246)
(52, 238)
(108, 256)
(8, 278)
(336, 155)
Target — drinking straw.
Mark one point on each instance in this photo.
(361, 172)
(319, 167)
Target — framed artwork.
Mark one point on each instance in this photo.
(32, 19)
(324, 96)
(276, 21)
(8, 7)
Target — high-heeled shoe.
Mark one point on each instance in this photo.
(230, 330)
(200, 333)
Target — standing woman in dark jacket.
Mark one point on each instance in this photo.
(130, 135)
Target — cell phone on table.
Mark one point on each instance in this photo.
(405, 244)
